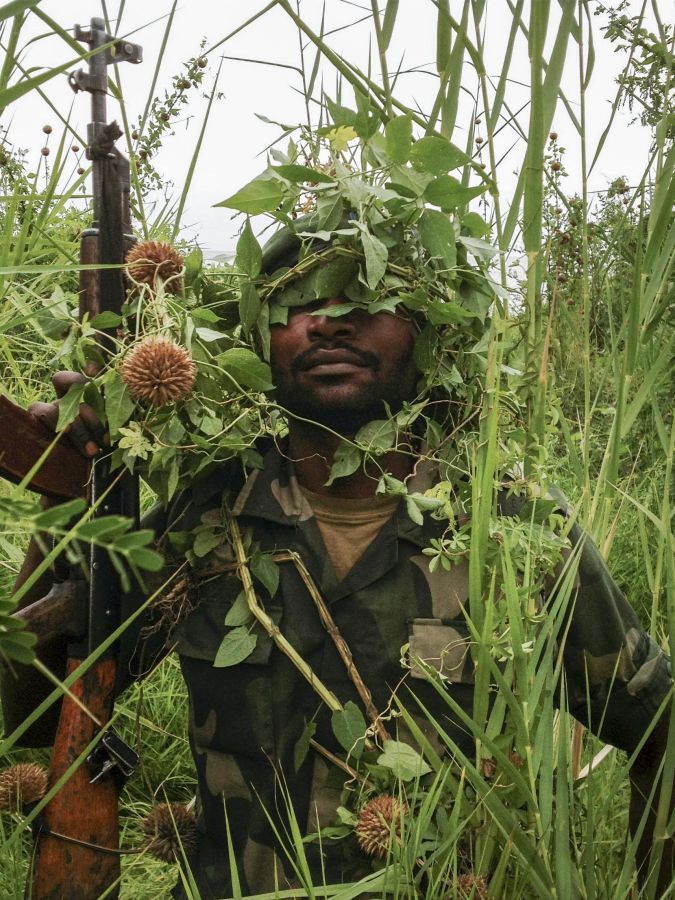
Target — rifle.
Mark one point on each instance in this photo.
(76, 839)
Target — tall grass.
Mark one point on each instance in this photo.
(603, 429)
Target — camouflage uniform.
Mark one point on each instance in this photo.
(245, 720)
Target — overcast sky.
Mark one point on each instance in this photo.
(233, 149)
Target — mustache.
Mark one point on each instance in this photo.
(306, 359)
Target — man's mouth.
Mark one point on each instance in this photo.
(333, 361)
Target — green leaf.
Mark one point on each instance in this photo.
(15, 8)
(249, 306)
(405, 762)
(398, 133)
(209, 334)
(379, 434)
(118, 404)
(437, 235)
(436, 155)
(248, 258)
(376, 258)
(346, 461)
(106, 319)
(247, 369)
(206, 541)
(266, 571)
(478, 248)
(59, 515)
(234, 648)
(475, 225)
(239, 613)
(193, 267)
(349, 727)
(301, 174)
(69, 406)
(258, 196)
(105, 528)
(302, 746)
(146, 559)
(447, 192)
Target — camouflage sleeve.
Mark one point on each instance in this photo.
(616, 675)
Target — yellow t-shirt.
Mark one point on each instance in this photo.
(348, 527)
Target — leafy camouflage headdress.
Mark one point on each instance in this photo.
(386, 227)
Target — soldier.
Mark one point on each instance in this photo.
(334, 374)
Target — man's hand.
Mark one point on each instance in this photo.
(85, 432)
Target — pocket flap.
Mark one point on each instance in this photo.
(443, 647)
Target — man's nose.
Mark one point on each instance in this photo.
(323, 326)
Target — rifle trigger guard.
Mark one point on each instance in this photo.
(112, 756)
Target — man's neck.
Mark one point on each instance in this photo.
(312, 449)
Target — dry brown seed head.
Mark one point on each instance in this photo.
(47, 129)
(202, 62)
(80, 170)
(555, 166)
(379, 818)
(553, 136)
(21, 785)
(479, 140)
(170, 829)
(45, 151)
(157, 371)
(149, 260)
(75, 148)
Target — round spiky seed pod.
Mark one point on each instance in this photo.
(21, 785)
(149, 260)
(170, 829)
(158, 372)
(379, 818)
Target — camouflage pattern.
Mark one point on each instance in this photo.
(245, 720)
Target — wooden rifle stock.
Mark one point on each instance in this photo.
(76, 850)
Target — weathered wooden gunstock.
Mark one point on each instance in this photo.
(63, 474)
(61, 614)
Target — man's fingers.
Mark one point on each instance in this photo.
(82, 438)
(92, 424)
(63, 381)
(47, 413)
(85, 432)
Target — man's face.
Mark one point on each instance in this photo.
(341, 370)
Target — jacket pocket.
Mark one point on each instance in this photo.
(443, 646)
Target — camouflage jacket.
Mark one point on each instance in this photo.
(246, 720)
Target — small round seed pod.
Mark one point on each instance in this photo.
(80, 170)
(149, 260)
(157, 372)
(21, 785)
(553, 136)
(555, 166)
(379, 817)
(202, 62)
(479, 140)
(45, 151)
(47, 129)
(75, 148)
(170, 829)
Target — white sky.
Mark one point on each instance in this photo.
(235, 138)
